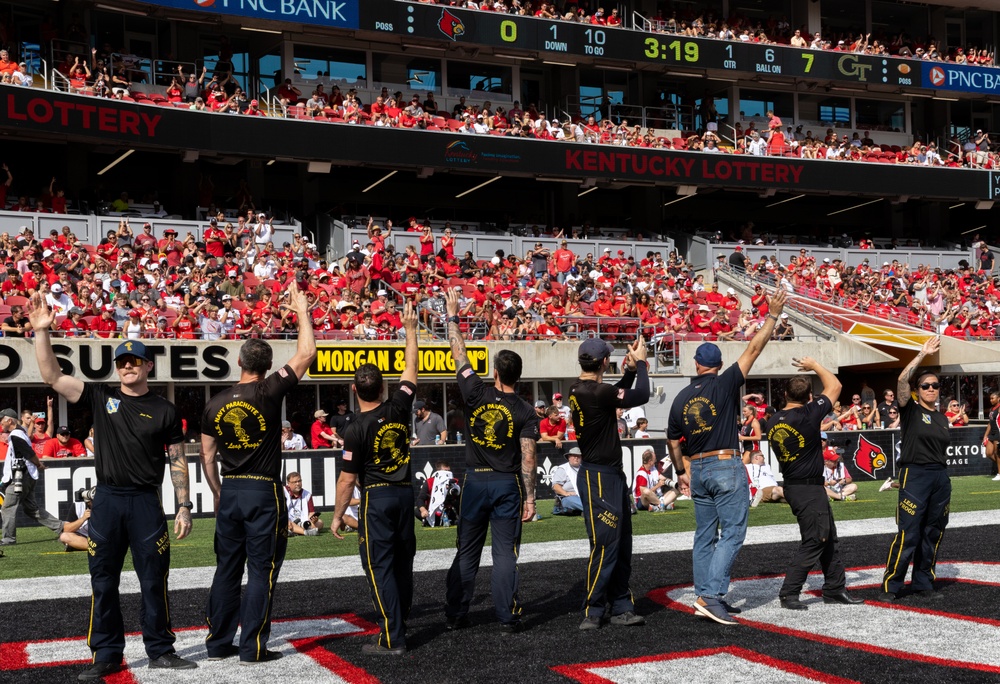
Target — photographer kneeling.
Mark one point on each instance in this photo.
(20, 473)
(76, 534)
(302, 516)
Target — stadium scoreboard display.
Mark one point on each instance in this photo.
(561, 41)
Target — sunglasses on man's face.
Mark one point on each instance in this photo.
(930, 386)
(128, 359)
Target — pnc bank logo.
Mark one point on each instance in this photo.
(937, 76)
(204, 3)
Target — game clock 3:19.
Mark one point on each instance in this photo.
(676, 50)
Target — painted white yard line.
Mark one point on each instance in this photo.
(311, 569)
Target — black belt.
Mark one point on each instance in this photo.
(804, 482)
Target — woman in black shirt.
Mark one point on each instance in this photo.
(925, 488)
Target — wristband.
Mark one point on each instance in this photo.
(680, 471)
(455, 319)
(771, 315)
(187, 504)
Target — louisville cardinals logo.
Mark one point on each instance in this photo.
(450, 25)
(869, 457)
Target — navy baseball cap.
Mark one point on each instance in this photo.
(594, 349)
(708, 355)
(132, 348)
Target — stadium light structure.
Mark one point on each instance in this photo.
(687, 190)
(481, 185)
(984, 205)
(856, 206)
(790, 199)
(115, 163)
(380, 180)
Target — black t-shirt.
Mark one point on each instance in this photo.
(130, 435)
(794, 437)
(14, 324)
(593, 406)
(994, 425)
(883, 411)
(245, 421)
(737, 260)
(706, 412)
(495, 423)
(377, 442)
(924, 435)
(340, 422)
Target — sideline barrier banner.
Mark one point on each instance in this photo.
(869, 455)
(63, 477)
(872, 454)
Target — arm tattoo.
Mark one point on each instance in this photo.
(903, 385)
(179, 471)
(528, 468)
(457, 345)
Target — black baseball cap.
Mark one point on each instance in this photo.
(594, 349)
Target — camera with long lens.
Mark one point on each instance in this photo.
(84, 495)
(18, 467)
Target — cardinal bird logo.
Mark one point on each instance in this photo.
(450, 25)
(869, 457)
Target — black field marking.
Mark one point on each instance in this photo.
(551, 593)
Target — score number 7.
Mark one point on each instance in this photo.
(809, 61)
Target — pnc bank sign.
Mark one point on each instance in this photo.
(962, 78)
(334, 13)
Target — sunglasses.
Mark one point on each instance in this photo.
(128, 359)
(893, 413)
(930, 385)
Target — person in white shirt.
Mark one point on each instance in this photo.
(640, 429)
(839, 485)
(302, 516)
(564, 411)
(763, 486)
(58, 301)
(757, 146)
(568, 500)
(263, 233)
(291, 440)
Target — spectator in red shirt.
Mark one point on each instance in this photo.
(552, 427)
(322, 433)
(63, 446)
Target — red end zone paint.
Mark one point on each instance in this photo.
(989, 576)
(17, 655)
(582, 673)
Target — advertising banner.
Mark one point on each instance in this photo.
(332, 13)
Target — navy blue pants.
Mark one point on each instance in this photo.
(607, 516)
(251, 529)
(922, 515)
(490, 500)
(125, 518)
(811, 506)
(387, 544)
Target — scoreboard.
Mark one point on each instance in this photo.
(564, 41)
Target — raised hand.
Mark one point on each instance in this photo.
(41, 316)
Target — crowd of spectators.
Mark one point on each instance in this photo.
(963, 303)
(47, 439)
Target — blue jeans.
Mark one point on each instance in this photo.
(567, 505)
(721, 506)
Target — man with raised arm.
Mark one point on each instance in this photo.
(704, 414)
(241, 428)
(133, 429)
(604, 490)
(796, 441)
(376, 459)
(499, 488)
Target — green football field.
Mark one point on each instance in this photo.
(38, 554)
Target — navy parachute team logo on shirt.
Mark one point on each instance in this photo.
(232, 423)
(490, 419)
(781, 437)
(390, 447)
(694, 412)
(112, 405)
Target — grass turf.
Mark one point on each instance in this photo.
(38, 554)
